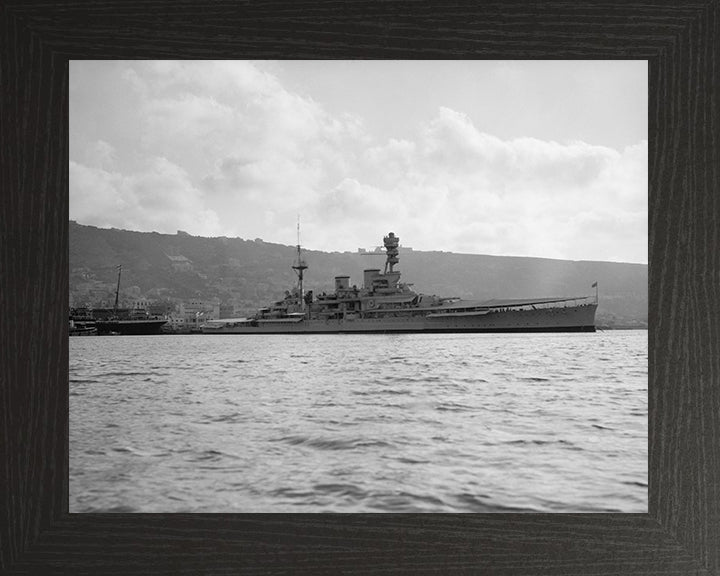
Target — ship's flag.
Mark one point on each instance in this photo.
(594, 285)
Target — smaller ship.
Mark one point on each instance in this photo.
(82, 329)
(139, 323)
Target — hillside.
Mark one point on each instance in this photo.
(251, 273)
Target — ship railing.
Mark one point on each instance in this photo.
(569, 303)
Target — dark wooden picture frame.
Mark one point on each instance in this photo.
(681, 532)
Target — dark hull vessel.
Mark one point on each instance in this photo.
(127, 327)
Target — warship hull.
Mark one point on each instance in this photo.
(579, 318)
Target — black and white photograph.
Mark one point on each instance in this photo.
(358, 286)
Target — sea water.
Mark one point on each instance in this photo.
(359, 423)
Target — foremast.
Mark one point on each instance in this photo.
(300, 266)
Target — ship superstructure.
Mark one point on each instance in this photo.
(385, 304)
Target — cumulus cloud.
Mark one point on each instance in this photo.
(159, 198)
(223, 148)
(458, 188)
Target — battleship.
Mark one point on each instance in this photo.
(384, 304)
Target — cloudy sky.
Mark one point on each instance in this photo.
(487, 157)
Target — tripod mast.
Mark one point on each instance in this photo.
(300, 266)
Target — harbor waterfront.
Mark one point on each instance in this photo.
(547, 422)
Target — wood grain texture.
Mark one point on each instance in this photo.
(681, 532)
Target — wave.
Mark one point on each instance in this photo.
(117, 509)
(332, 443)
(543, 443)
(632, 483)
(229, 418)
(345, 490)
(212, 455)
(455, 407)
(137, 452)
(479, 503)
(403, 501)
(143, 373)
(405, 460)
(84, 381)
